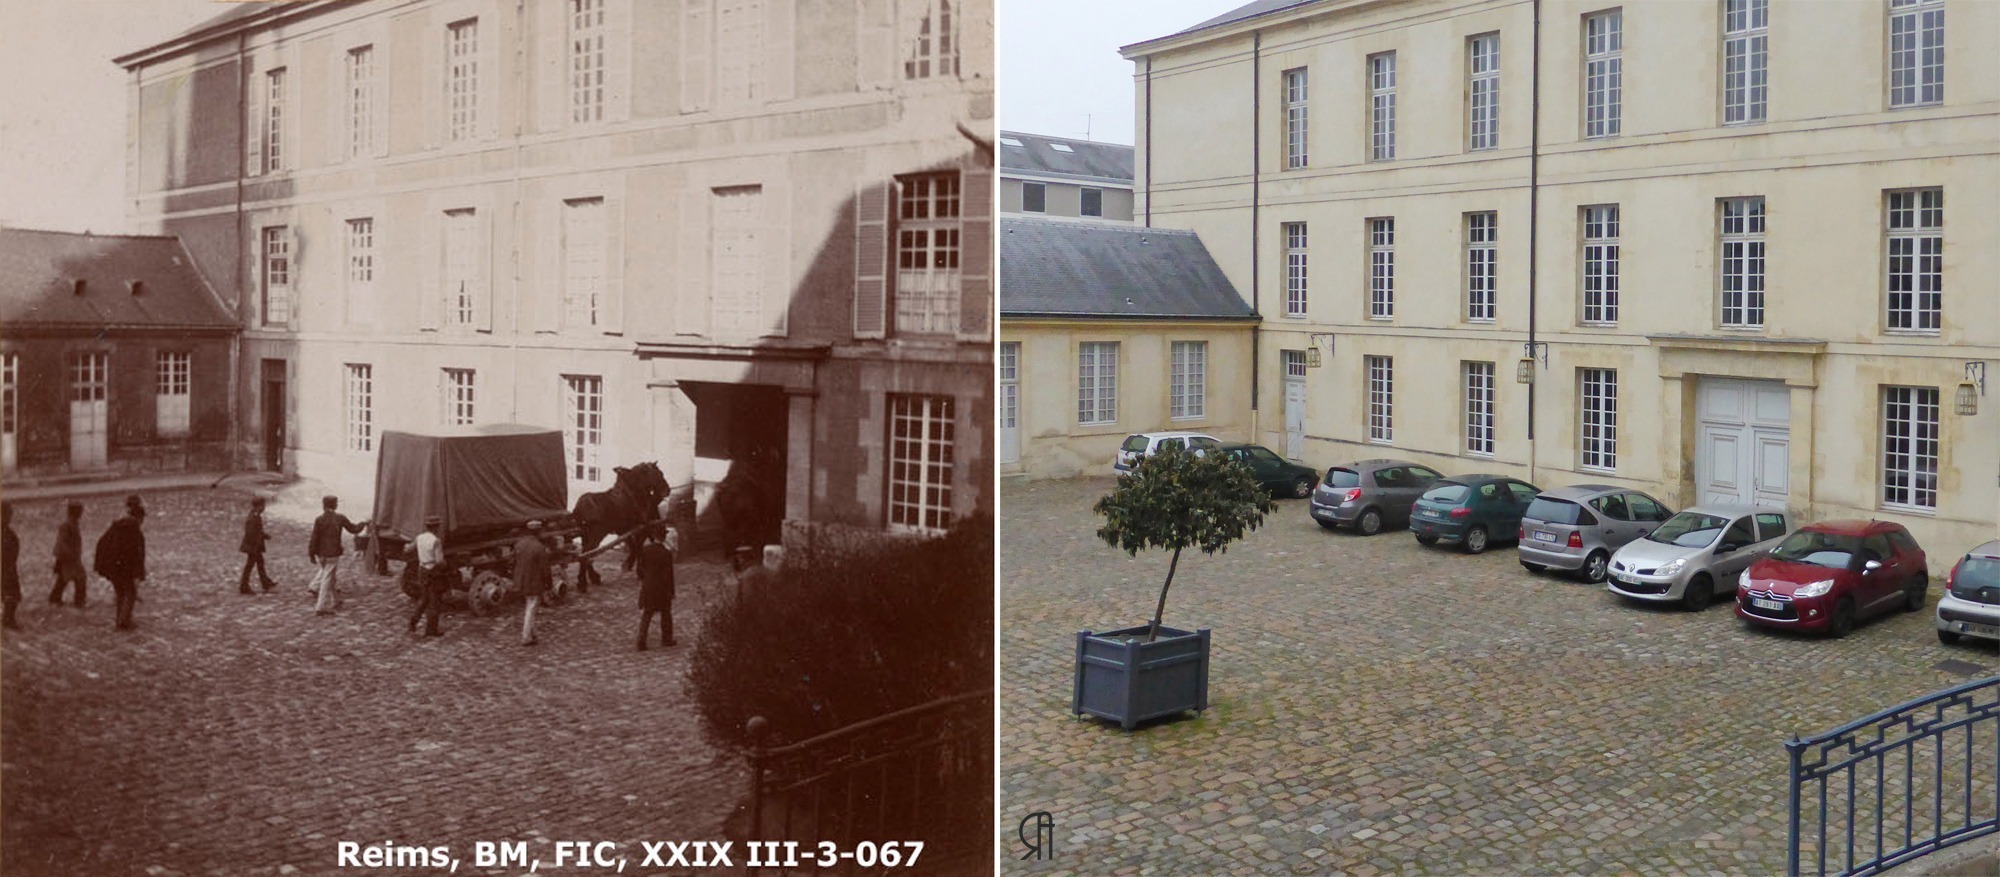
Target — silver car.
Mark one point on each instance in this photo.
(1684, 558)
(1370, 494)
(1971, 602)
(1576, 528)
(1141, 445)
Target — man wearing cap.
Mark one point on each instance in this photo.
(252, 547)
(121, 558)
(531, 575)
(69, 555)
(432, 581)
(656, 583)
(325, 550)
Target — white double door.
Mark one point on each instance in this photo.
(1743, 441)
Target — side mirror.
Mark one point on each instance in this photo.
(1871, 566)
(1727, 547)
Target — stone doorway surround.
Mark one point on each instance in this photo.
(1685, 359)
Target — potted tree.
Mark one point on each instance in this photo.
(1175, 500)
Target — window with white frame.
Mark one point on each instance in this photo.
(1097, 382)
(461, 267)
(1034, 198)
(740, 50)
(460, 394)
(586, 61)
(1482, 90)
(583, 425)
(360, 268)
(173, 370)
(927, 270)
(360, 101)
(1381, 268)
(359, 408)
(461, 80)
(1598, 436)
(1295, 269)
(1092, 202)
(738, 230)
(583, 261)
(274, 119)
(1188, 385)
(1382, 106)
(1479, 391)
(1008, 406)
(1916, 53)
(1293, 363)
(1745, 48)
(1600, 264)
(1910, 447)
(1295, 118)
(922, 430)
(1743, 263)
(10, 377)
(1916, 260)
(932, 43)
(1482, 266)
(1603, 73)
(1381, 399)
(277, 250)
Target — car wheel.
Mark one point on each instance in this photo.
(1302, 488)
(1426, 539)
(1328, 525)
(1843, 619)
(1475, 539)
(1595, 566)
(1947, 637)
(1535, 568)
(1914, 601)
(1370, 522)
(1700, 590)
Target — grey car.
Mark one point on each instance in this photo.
(1685, 558)
(1575, 528)
(1971, 602)
(1370, 494)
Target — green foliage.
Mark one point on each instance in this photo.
(1178, 499)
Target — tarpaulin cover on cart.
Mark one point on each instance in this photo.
(475, 477)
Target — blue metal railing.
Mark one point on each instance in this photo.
(1857, 788)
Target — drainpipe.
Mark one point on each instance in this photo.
(236, 345)
(1149, 141)
(1256, 178)
(1534, 206)
(515, 236)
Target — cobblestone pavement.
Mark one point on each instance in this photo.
(243, 735)
(1382, 707)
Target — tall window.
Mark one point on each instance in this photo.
(1188, 395)
(360, 268)
(586, 60)
(740, 50)
(921, 459)
(1744, 54)
(1382, 106)
(1916, 260)
(1743, 263)
(461, 80)
(1482, 266)
(1600, 264)
(933, 42)
(1381, 269)
(1479, 408)
(1910, 447)
(1295, 118)
(1007, 409)
(1916, 53)
(360, 407)
(172, 392)
(583, 261)
(583, 425)
(1482, 91)
(1093, 202)
(1097, 382)
(927, 276)
(10, 378)
(1603, 73)
(1599, 433)
(360, 101)
(1381, 399)
(274, 120)
(739, 261)
(461, 264)
(1295, 269)
(277, 247)
(460, 393)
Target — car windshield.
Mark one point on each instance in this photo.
(1819, 549)
(1974, 575)
(1689, 530)
(1343, 478)
(1553, 511)
(1133, 443)
(1447, 492)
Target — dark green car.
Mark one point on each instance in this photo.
(1276, 474)
(1472, 510)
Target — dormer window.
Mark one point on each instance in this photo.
(1011, 141)
(1060, 147)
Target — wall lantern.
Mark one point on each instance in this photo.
(1972, 388)
(1312, 349)
(1312, 357)
(1532, 352)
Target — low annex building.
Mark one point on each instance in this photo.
(1056, 176)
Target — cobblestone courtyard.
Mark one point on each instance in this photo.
(243, 735)
(1378, 706)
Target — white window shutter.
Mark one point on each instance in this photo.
(430, 296)
(618, 29)
(697, 54)
(611, 314)
(876, 44)
(337, 116)
(545, 296)
(379, 128)
(975, 258)
(436, 105)
(291, 236)
(294, 107)
(781, 51)
(691, 311)
(491, 77)
(871, 260)
(482, 271)
(253, 120)
(552, 64)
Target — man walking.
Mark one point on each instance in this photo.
(656, 585)
(531, 575)
(121, 558)
(431, 581)
(69, 555)
(325, 550)
(10, 568)
(252, 547)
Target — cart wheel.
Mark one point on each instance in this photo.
(488, 589)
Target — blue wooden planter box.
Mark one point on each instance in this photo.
(1130, 680)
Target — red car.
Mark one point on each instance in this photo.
(1829, 575)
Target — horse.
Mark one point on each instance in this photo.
(633, 500)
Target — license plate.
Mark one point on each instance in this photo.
(1985, 630)
(1623, 578)
(1545, 537)
(1762, 603)
(1433, 513)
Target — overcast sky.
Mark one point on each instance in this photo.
(1060, 72)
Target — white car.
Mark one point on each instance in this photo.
(1971, 602)
(1140, 445)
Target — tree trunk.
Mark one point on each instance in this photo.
(1161, 609)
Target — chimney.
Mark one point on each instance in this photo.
(77, 285)
(135, 286)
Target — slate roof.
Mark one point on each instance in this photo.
(1088, 270)
(1036, 155)
(39, 270)
(238, 15)
(1247, 10)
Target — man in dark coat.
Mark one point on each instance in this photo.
(656, 587)
(252, 547)
(121, 558)
(69, 555)
(10, 572)
(531, 575)
(325, 550)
